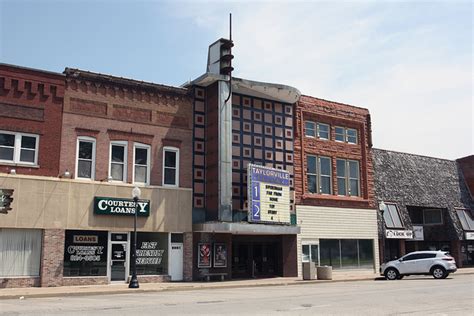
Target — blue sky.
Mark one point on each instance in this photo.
(409, 63)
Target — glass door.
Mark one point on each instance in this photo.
(118, 261)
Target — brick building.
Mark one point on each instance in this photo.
(428, 205)
(117, 133)
(334, 190)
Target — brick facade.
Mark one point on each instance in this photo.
(108, 108)
(188, 256)
(31, 102)
(19, 282)
(341, 115)
(52, 257)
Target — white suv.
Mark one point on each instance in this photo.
(437, 263)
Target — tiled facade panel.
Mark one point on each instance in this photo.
(199, 173)
(114, 112)
(31, 102)
(262, 133)
(334, 114)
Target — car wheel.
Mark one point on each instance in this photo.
(391, 274)
(438, 272)
(445, 276)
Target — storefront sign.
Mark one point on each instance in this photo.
(398, 234)
(148, 253)
(85, 239)
(204, 255)
(268, 195)
(6, 200)
(85, 253)
(114, 206)
(418, 233)
(220, 255)
(469, 235)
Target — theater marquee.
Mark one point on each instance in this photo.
(268, 195)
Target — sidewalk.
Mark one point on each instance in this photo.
(338, 276)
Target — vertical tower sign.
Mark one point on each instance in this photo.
(268, 195)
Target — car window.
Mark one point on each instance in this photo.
(411, 257)
(426, 255)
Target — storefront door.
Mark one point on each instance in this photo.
(119, 257)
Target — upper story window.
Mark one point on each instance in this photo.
(391, 216)
(318, 172)
(85, 164)
(348, 177)
(323, 131)
(427, 216)
(346, 135)
(466, 218)
(19, 148)
(170, 166)
(310, 129)
(141, 163)
(118, 161)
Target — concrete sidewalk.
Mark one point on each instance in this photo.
(338, 276)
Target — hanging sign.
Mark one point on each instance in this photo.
(418, 233)
(115, 206)
(398, 234)
(268, 195)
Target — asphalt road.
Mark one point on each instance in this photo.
(413, 295)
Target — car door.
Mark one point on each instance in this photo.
(408, 264)
(424, 262)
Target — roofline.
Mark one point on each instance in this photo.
(335, 102)
(411, 154)
(89, 75)
(33, 69)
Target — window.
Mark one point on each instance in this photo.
(323, 131)
(20, 252)
(340, 134)
(141, 163)
(19, 148)
(392, 217)
(348, 182)
(85, 166)
(310, 129)
(466, 218)
(347, 253)
(310, 253)
(118, 161)
(319, 174)
(432, 217)
(171, 166)
(351, 136)
(152, 253)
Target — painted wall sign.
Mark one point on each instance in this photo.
(469, 235)
(418, 233)
(398, 234)
(268, 195)
(115, 206)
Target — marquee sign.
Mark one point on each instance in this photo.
(115, 206)
(398, 234)
(268, 195)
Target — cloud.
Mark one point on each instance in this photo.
(409, 64)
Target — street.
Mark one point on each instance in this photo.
(412, 295)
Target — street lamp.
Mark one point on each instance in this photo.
(134, 280)
(382, 210)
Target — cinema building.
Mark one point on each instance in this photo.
(428, 205)
(73, 147)
(243, 138)
(334, 190)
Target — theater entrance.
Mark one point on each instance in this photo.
(255, 259)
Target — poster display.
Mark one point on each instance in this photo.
(204, 255)
(85, 253)
(268, 195)
(220, 255)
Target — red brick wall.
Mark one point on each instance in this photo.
(52, 257)
(31, 102)
(334, 114)
(85, 281)
(110, 112)
(289, 255)
(188, 257)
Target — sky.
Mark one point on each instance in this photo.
(408, 62)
